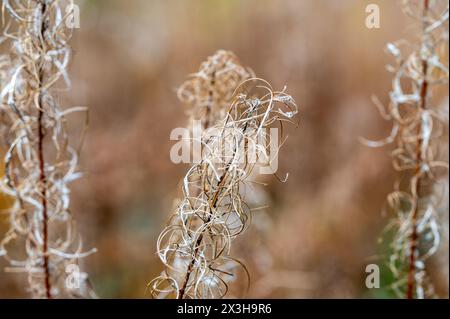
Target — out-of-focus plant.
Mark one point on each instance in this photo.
(418, 125)
(208, 92)
(195, 246)
(40, 163)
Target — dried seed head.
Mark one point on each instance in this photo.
(40, 163)
(195, 246)
(417, 127)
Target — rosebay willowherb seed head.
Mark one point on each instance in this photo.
(195, 246)
(40, 163)
(418, 125)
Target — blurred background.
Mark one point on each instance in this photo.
(324, 224)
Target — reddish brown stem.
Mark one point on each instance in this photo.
(42, 176)
(43, 182)
(414, 235)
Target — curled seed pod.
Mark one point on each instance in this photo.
(195, 246)
(417, 128)
(209, 91)
(40, 163)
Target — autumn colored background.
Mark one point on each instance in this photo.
(324, 224)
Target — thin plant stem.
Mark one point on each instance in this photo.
(42, 176)
(422, 107)
(195, 246)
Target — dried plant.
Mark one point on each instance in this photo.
(40, 162)
(417, 129)
(207, 95)
(195, 246)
